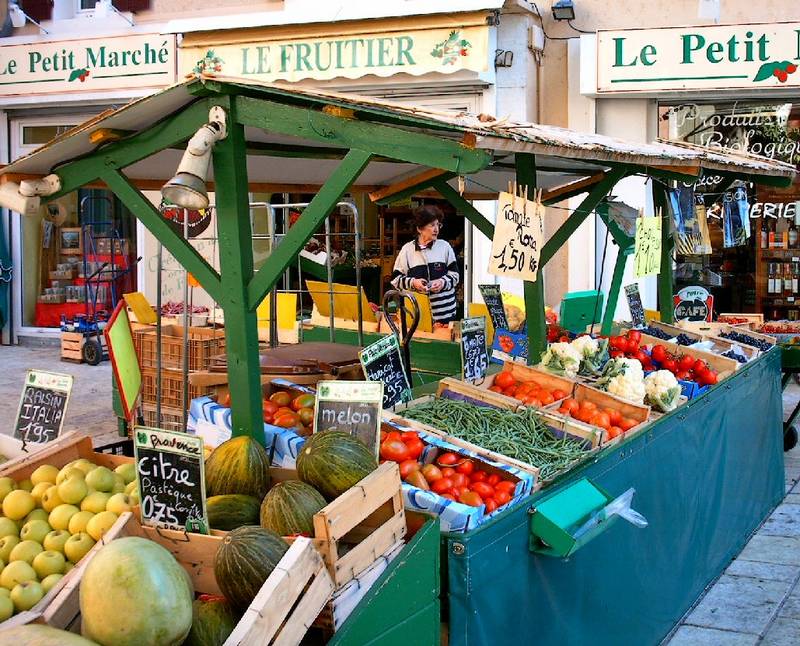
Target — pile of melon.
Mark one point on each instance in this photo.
(51, 520)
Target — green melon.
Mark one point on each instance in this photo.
(244, 560)
(213, 620)
(134, 592)
(289, 508)
(40, 635)
(333, 461)
(232, 510)
(240, 465)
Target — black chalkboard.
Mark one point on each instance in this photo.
(350, 406)
(381, 362)
(635, 304)
(171, 479)
(493, 298)
(42, 406)
(474, 359)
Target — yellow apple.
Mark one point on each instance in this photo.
(73, 490)
(25, 484)
(69, 472)
(95, 502)
(7, 543)
(75, 548)
(48, 562)
(39, 490)
(36, 514)
(18, 504)
(69, 565)
(7, 485)
(4, 592)
(132, 487)
(134, 496)
(84, 465)
(16, 572)
(78, 522)
(100, 524)
(127, 471)
(44, 473)
(100, 479)
(26, 595)
(51, 499)
(6, 607)
(60, 516)
(120, 503)
(8, 527)
(119, 484)
(35, 530)
(25, 551)
(50, 580)
(55, 540)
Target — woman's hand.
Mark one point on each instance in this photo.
(419, 284)
(436, 286)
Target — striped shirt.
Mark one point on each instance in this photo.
(433, 261)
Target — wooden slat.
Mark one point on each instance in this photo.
(358, 559)
(585, 183)
(414, 180)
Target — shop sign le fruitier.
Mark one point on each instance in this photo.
(88, 64)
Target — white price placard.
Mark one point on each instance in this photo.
(518, 237)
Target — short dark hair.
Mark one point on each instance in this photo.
(424, 215)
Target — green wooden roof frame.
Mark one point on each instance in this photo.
(366, 133)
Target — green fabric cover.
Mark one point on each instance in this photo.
(705, 476)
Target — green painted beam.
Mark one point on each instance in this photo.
(589, 203)
(313, 216)
(413, 190)
(377, 139)
(614, 289)
(166, 133)
(150, 217)
(533, 292)
(665, 274)
(236, 271)
(464, 206)
(764, 180)
(622, 239)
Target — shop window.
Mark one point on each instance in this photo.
(754, 230)
(38, 135)
(122, 5)
(39, 10)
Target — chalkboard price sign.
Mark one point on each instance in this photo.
(172, 487)
(493, 298)
(350, 406)
(42, 406)
(382, 362)
(474, 360)
(635, 304)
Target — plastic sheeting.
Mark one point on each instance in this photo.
(705, 475)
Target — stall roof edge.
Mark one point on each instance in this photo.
(500, 135)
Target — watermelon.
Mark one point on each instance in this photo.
(231, 510)
(333, 461)
(213, 620)
(289, 508)
(244, 560)
(134, 592)
(240, 465)
(40, 635)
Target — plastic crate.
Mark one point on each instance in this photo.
(123, 447)
(171, 388)
(171, 419)
(204, 345)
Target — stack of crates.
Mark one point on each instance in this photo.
(204, 344)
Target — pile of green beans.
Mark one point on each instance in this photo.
(520, 435)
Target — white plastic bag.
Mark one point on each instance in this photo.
(620, 506)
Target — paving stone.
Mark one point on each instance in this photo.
(764, 571)
(739, 604)
(791, 607)
(783, 632)
(772, 549)
(792, 499)
(695, 636)
(784, 521)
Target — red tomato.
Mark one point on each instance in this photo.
(530, 400)
(466, 467)
(600, 419)
(632, 346)
(287, 420)
(281, 398)
(491, 505)
(670, 364)
(709, 378)
(483, 489)
(303, 401)
(571, 404)
(394, 435)
(431, 472)
(686, 363)
(449, 496)
(495, 389)
(614, 354)
(627, 423)
(415, 447)
(642, 357)
(457, 491)
(448, 472)
(269, 408)
(699, 365)
(225, 400)
(510, 391)
(283, 410)
(634, 335)
(493, 479)
(618, 342)
(395, 450)
(659, 353)
(558, 394)
(306, 415)
(407, 466)
(448, 459)
(441, 485)
(546, 397)
(504, 380)
(507, 486)
(470, 498)
(477, 476)
(612, 432)
(407, 436)
(502, 497)
(613, 416)
(459, 480)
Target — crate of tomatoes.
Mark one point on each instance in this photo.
(517, 384)
(461, 487)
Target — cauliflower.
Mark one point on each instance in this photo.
(621, 365)
(594, 353)
(662, 390)
(627, 386)
(562, 359)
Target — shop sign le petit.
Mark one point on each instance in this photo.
(88, 64)
(754, 56)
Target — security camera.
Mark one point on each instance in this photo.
(44, 186)
(12, 199)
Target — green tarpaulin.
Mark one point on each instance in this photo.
(705, 476)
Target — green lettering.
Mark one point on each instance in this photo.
(318, 57)
(647, 52)
(163, 53)
(691, 43)
(383, 52)
(303, 51)
(714, 51)
(354, 42)
(340, 44)
(95, 59)
(762, 48)
(369, 43)
(404, 45)
(263, 57)
(618, 57)
(285, 49)
(34, 58)
(245, 67)
(733, 43)
(797, 42)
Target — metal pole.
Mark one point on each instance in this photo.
(330, 275)
(357, 225)
(185, 399)
(159, 256)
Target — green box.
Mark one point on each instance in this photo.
(581, 309)
(556, 519)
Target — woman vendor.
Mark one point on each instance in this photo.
(428, 265)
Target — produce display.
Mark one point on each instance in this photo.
(238, 466)
(732, 354)
(624, 378)
(628, 346)
(282, 410)
(683, 366)
(662, 390)
(288, 508)
(610, 419)
(746, 339)
(213, 620)
(51, 520)
(229, 511)
(520, 435)
(334, 461)
(530, 393)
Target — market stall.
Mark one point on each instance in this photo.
(706, 472)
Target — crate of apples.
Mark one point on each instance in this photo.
(529, 393)
(611, 420)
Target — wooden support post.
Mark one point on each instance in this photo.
(613, 290)
(236, 271)
(665, 274)
(533, 291)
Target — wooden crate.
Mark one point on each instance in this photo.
(723, 365)
(72, 346)
(524, 373)
(359, 526)
(724, 327)
(498, 400)
(720, 345)
(288, 602)
(754, 320)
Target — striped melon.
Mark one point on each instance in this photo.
(289, 508)
(244, 560)
(333, 461)
(240, 465)
(231, 510)
(213, 620)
